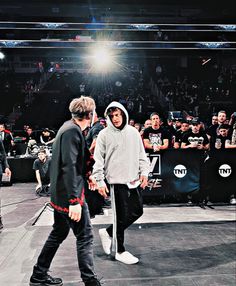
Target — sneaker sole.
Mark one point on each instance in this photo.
(127, 263)
(106, 252)
(43, 284)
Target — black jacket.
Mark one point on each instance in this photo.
(3, 157)
(7, 141)
(67, 171)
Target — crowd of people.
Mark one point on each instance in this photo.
(90, 153)
(157, 134)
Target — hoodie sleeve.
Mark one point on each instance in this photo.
(99, 157)
(144, 165)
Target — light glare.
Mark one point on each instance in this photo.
(2, 56)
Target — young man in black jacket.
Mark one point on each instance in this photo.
(67, 175)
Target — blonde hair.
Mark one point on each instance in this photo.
(82, 107)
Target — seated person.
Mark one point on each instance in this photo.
(7, 138)
(41, 166)
(47, 137)
(30, 134)
(32, 148)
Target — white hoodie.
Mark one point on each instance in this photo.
(119, 153)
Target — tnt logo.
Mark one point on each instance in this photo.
(180, 171)
(225, 170)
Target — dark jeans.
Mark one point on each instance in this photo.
(84, 242)
(129, 207)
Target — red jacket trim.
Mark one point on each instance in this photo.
(58, 208)
(79, 200)
(71, 201)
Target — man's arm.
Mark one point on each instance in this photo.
(147, 144)
(228, 145)
(38, 178)
(99, 165)
(144, 166)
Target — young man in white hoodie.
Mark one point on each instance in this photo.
(120, 158)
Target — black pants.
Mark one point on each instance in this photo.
(84, 243)
(129, 207)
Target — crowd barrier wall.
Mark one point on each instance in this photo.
(185, 171)
(173, 172)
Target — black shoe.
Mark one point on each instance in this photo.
(93, 282)
(45, 281)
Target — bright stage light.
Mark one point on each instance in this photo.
(2, 56)
(102, 59)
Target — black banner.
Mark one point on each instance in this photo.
(174, 171)
(221, 174)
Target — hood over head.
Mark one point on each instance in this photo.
(121, 107)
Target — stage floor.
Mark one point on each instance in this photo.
(176, 244)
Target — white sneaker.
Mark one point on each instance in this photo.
(233, 201)
(106, 240)
(126, 258)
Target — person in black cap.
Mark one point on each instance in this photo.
(181, 133)
(221, 139)
(195, 139)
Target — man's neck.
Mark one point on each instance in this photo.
(156, 127)
(83, 124)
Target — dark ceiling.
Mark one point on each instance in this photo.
(60, 41)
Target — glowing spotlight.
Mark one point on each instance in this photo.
(2, 56)
(102, 59)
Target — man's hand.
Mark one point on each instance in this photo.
(200, 147)
(75, 212)
(92, 184)
(8, 172)
(156, 148)
(38, 186)
(144, 182)
(103, 191)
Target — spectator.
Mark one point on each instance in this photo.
(94, 200)
(147, 123)
(131, 122)
(138, 126)
(231, 142)
(4, 168)
(103, 122)
(214, 119)
(195, 139)
(221, 139)
(29, 134)
(93, 133)
(47, 137)
(181, 133)
(155, 138)
(41, 166)
(7, 138)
